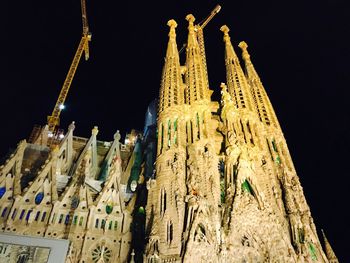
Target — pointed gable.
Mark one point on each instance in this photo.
(13, 166)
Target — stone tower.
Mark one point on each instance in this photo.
(225, 188)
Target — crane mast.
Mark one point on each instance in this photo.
(54, 119)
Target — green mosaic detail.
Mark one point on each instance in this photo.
(246, 186)
(109, 209)
(312, 251)
(278, 160)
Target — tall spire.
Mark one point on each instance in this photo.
(264, 107)
(196, 75)
(171, 84)
(328, 249)
(236, 81)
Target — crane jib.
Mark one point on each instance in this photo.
(53, 120)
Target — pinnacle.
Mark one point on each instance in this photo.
(225, 29)
(172, 23)
(117, 136)
(190, 18)
(72, 126)
(243, 45)
(94, 131)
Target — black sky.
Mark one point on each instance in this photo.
(300, 49)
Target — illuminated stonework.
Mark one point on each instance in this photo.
(214, 181)
(251, 209)
(72, 191)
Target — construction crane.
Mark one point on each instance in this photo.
(204, 22)
(54, 119)
(199, 29)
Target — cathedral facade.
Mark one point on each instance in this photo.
(225, 188)
(216, 182)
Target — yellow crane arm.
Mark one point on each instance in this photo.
(85, 28)
(54, 119)
(212, 14)
(199, 28)
(84, 18)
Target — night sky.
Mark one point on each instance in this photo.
(301, 50)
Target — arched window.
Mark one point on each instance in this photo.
(43, 217)
(103, 223)
(169, 232)
(14, 214)
(161, 137)
(28, 215)
(175, 132)
(169, 133)
(198, 125)
(191, 132)
(274, 146)
(37, 216)
(22, 214)
(60, 219)
(162, 201)
(53, 218)
(3, 214)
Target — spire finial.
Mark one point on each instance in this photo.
(225, 29)
(172, 24)
(190, 18)
(117, 136)
(132, 260)
(71, 126)
(192, 38)
(94, 131)
(243, 45)
(328, 249)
